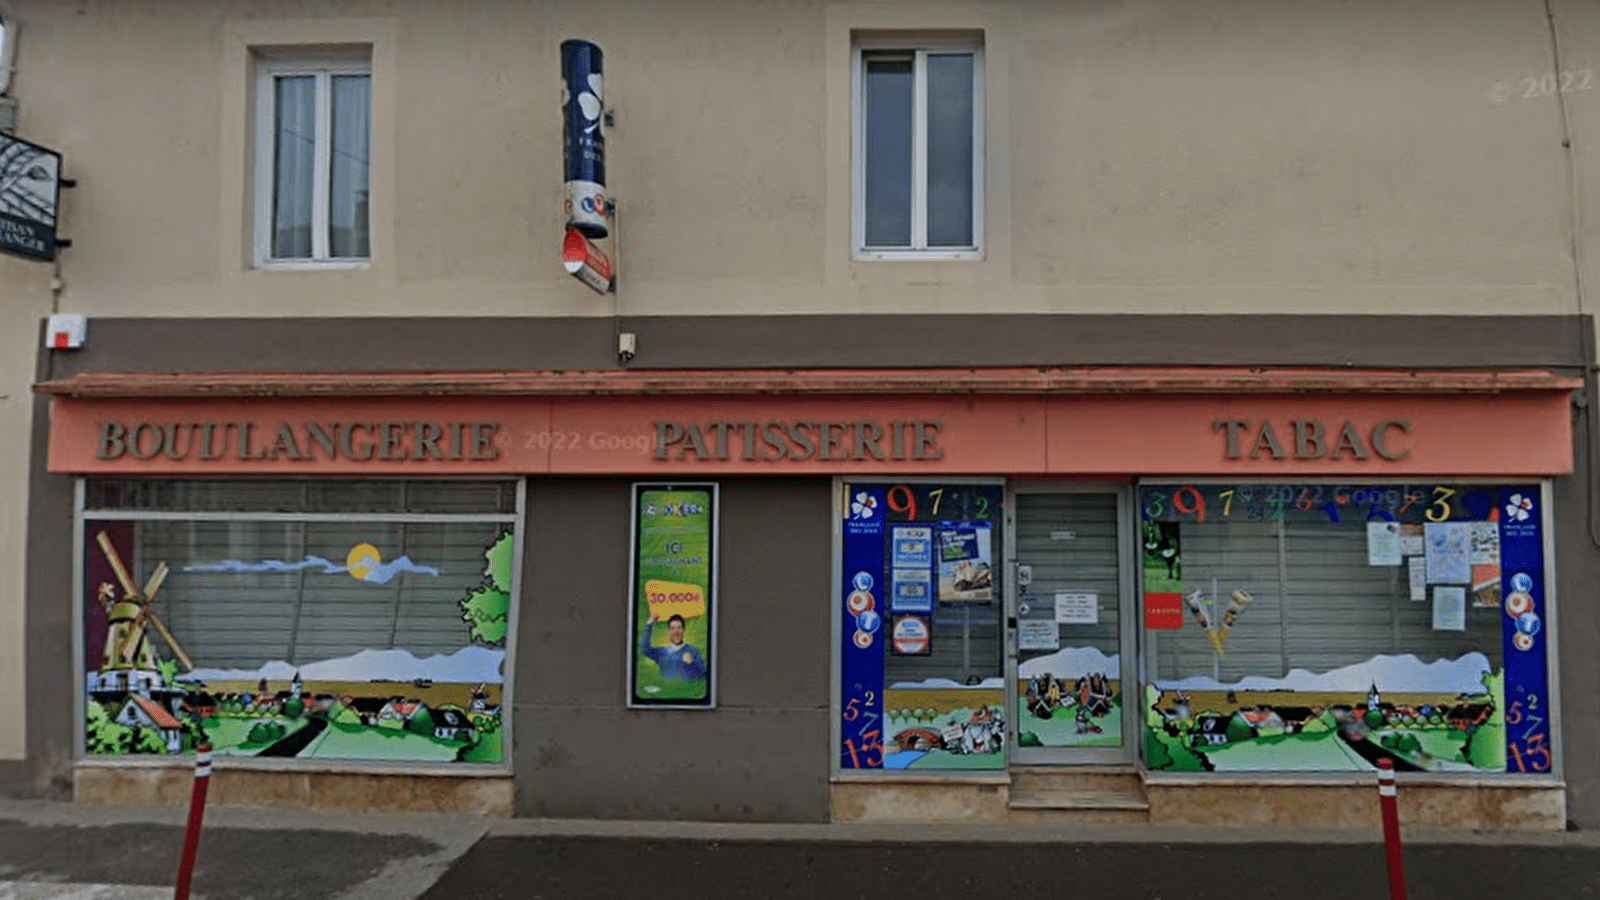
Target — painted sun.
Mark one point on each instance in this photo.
(361, 559)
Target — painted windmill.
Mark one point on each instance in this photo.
(129, 620)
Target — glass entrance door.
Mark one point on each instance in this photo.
(1071, 673)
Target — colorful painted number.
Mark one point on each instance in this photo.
(1439, 510)
(1197, 503)
(902, 500)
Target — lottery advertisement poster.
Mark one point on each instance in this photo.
(672, 638)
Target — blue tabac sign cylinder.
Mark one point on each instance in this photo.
(582, 106)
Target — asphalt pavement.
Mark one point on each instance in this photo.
(62, 850)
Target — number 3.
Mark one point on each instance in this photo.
(1439, 509)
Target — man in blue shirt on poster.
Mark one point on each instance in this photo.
(678, 661)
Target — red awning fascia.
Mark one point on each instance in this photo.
(1097, 380)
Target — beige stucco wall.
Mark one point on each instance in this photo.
(1143, 157)
(24, 299)
(1578, 45)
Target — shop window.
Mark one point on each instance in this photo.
(1293, 627)
(921, 670)
(918, 149)
(266, 618)
(313, 153)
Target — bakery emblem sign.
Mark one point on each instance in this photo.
(30, 193)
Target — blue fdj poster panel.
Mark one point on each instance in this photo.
(861, 628)
(1527, 698)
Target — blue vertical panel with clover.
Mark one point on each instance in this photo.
(861, 629)
(1528, 704)
(584, 144)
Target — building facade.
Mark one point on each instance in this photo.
(1015, 412)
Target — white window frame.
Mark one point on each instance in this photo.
(323, 68)
(919, 48)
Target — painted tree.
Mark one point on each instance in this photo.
(103, 733)
(486, 607)
(1486, 744)
(1164, 750)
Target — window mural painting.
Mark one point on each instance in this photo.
(319, 639)
(921, 674)
(1323, 627)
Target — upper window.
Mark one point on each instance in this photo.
(313, 150)
(7, 52)
(918, 144)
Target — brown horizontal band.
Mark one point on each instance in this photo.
(1095, 380)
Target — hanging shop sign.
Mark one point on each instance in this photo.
(672, 636)
(584, 144)
(586, 262)
(30, 194)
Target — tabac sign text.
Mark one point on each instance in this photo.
(1313, 439)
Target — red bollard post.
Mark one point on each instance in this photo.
(197, 813)
(1388, 798)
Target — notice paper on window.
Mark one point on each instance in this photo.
(1383, 544)
(1077, 608)
(913, 546)
(1411, 539)
(1419, 579)
(1485, 543)
(1449, 608)
(911, 590)
(1448, 549)
(1038, 634)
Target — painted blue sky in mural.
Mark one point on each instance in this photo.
(376, 571)
(469, 665)
(1404, 673)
